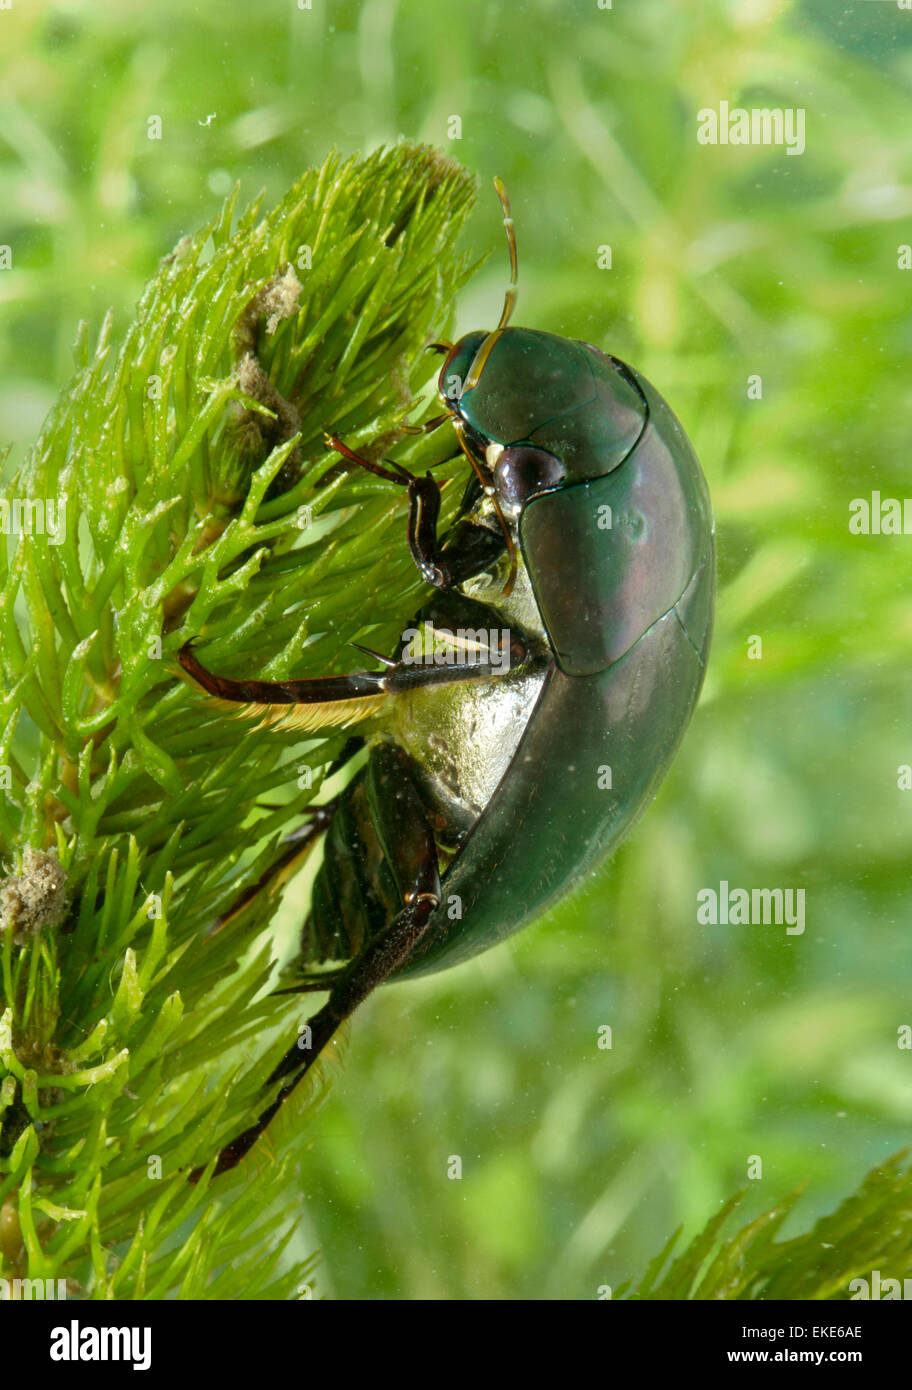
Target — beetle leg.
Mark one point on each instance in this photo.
(470, 549)
(350, 747)
(400, 475)
(428, 426)
(317, 983)
(475, 550)
(408, 842)
(309, 705)
(320, 702)
(296, 847)
(438, 463)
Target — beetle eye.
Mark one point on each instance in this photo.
(524, 471)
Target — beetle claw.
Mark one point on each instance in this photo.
(377, 656)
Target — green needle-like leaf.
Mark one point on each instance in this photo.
(179, 486)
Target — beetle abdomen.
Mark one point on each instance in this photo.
(573, 799)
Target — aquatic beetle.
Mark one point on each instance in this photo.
(536, 704)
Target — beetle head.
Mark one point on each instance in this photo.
(562, 410)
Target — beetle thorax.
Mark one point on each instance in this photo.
(519, 608)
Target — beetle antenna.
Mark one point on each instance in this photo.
(513, 287)
(510, 297)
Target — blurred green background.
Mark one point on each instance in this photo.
(727, 262)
